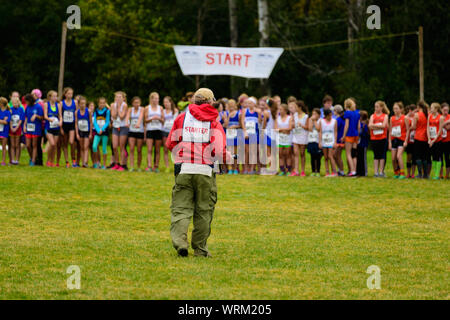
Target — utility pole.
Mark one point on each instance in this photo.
(232, 8)
(62, 60)
(421, 70)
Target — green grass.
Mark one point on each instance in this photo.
(272, 237)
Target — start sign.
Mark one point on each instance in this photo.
(241, 62)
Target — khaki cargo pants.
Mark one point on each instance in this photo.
(193, 195)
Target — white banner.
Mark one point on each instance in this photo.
(241, 62)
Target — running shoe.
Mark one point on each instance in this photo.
(352, 174)
(156, 170)
(32, 164)
(303, 174)
(120, 169)
(95, 166)
(401, 177)
(103, 168)
(281, 173)
(236, 172)
(112, 165)
(334, 175)
(396, 176)
(294, 174)
(230, 172)
(131, 170)
(67, 165)
(116, 167)
(3, 164)
(148, 170)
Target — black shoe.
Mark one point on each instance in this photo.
(112, 165)
(182, 252)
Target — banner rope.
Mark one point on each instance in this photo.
(308, 46)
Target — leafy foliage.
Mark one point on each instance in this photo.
(98, 63)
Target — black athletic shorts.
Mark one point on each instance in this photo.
(421, 150)
(136, 135)
(54, 132)
(410, 148)
(83, 134)
(68, 127)
(379, 149)
(155, 135)
(397, 143)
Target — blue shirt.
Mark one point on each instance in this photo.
(364, 136)
(4, 128)
(34, 127)
(353, 117)
(341, 127)
(17, 114)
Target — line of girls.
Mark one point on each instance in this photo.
(75, 121)
(419, 130)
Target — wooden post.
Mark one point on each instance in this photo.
(421, 70)
(62, 60)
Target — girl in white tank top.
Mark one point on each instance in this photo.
(154, 125)
(170, 114)
(136, 135)
(284, 128)
(327, 141)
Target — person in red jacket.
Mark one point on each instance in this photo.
(196, 141)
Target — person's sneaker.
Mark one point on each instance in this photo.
(312, 174)
(334, 175)
(401, 177)
(376, 175)
(148, 170)
(75, 165)
(281, 173)
(121, 168)
(182, 252)
(383, 175)
(103, 168)
(230, 172)
(3, 164)
(131, 170)
(236, 172)
(327, 175)
(294, 174)
(112, 165)
(341, 174)
(95, 166)
(67, 165)
(352, 174)
(156, 170)
(57, 165)
(396, 176)
(436, 178)
(412, 177)
(303, 174)
(318, 175)
(32, 164)
(116, 167)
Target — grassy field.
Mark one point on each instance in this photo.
(272, 237)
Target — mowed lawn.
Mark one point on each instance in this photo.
(272, 237)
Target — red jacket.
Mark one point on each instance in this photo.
(198, 152)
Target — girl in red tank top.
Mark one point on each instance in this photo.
(378, 126)
(410, 133)
(398, 127)
(435, 126)
(446, 139)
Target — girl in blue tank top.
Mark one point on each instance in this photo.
(251, 122)
(52, 118)
(83, 127)
(235, 135)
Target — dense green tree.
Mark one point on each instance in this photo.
(98, 62)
